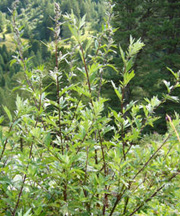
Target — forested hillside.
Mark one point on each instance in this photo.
(36, 15)
(157, 23)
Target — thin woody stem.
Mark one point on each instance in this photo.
(22, 186)
(155, 193)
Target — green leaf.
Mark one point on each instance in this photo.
(74, 32)
(39, 210)
(113, 67)
(134, 47)
(167, 84)
(122, 54)
(124, 182)
(1, 119)
(96, 44)
(129, 106)
(129, 64)
(13, 61)
(16, 88)
(47, 140)
(8, 113)
(172, 98)
(28, 213)
(128, 77)
(20, 213)
(176, 75)
(117, 91)
(51, 30)
(83, 91)
(66, 89)
(90, 41)
(82, 22)
(125, 163)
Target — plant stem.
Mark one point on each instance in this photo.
(100, 138)
(152, 156)
(22, 186)
(126, 204)
(130, 183)
(85, 66)
(154, 194)
(116, 203)
(5, 144)
(57, 29)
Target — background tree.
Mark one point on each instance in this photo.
(2, 21)
(158, 24)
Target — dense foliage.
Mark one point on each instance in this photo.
(36, 18)
(155, 22)
(55, 158)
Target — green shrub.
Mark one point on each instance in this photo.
(58, 161)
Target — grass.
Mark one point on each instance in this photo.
(9, 41)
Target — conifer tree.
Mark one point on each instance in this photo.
(2, 62)
(157, 23)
